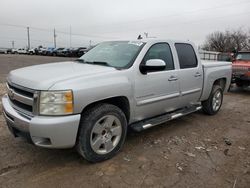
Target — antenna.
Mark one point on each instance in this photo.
(139, 37)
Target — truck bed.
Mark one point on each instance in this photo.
(214, 70)
(206, 63)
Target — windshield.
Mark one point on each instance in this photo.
(119, 54)
(243, 56)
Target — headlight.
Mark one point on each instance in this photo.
(56, 102)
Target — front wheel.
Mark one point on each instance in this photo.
(213, 104)
(239, 84)
(102, 132)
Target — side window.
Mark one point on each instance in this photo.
(186, 55)
(160, 51)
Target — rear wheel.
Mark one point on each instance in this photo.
(213, 104)
(239, 84)
(102, 132)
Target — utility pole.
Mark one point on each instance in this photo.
(70, 37)
(28, 32)
(55, 38)
(13, 44)
(90, 43)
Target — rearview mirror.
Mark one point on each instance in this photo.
(152, 65)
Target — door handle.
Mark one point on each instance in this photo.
(197, 74)
(172, 78)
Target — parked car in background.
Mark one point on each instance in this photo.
(75, 52)
(66, 52)
(14, 51)
(49, 51)
(3, 51)
(57, 51)
(90, 103)
(9, 51)
(22, 51)
(241, 69)
(82, 52)
(32, 51)
(41, 51)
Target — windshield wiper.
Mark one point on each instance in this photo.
(80, 60)
(97, 63)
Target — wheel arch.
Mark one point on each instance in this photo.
(221, 82)
(208, 86)
(121, 102)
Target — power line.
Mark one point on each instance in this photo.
(62, 32)
(85, 35)
(188, 22)
(174, 15)
(200, 20)
(119, 24)
(90, 36)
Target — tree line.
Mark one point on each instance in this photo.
(227, 41)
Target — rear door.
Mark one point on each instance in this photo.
(190, 73)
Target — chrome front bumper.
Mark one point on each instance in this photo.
(44, 131)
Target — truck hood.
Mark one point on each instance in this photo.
(42, 77)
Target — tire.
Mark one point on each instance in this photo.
(98, 138)
(213, 104)
(239, 84)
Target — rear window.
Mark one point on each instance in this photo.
(186, 55)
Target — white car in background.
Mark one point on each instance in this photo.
(32, 51)
(3, 51)
(22, 51)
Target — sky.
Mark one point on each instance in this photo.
(85, 22)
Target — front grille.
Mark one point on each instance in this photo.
(240, 69)
(21, 91)
(21, 98)
(22, 105)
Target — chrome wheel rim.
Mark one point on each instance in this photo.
(106, 134)
(217, 98)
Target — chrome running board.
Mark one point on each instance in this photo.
(148, 123)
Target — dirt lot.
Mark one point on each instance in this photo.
(193, 151)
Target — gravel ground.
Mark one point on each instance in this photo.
(193, 151)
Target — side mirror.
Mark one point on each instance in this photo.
(152, 65)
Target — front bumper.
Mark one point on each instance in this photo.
(44, 131)
(240, 77)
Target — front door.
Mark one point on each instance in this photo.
(157, 92)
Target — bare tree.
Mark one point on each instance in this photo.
(228, 41)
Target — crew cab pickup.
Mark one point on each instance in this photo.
(241, 69)
(90, 103)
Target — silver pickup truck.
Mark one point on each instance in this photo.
(90, 103)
